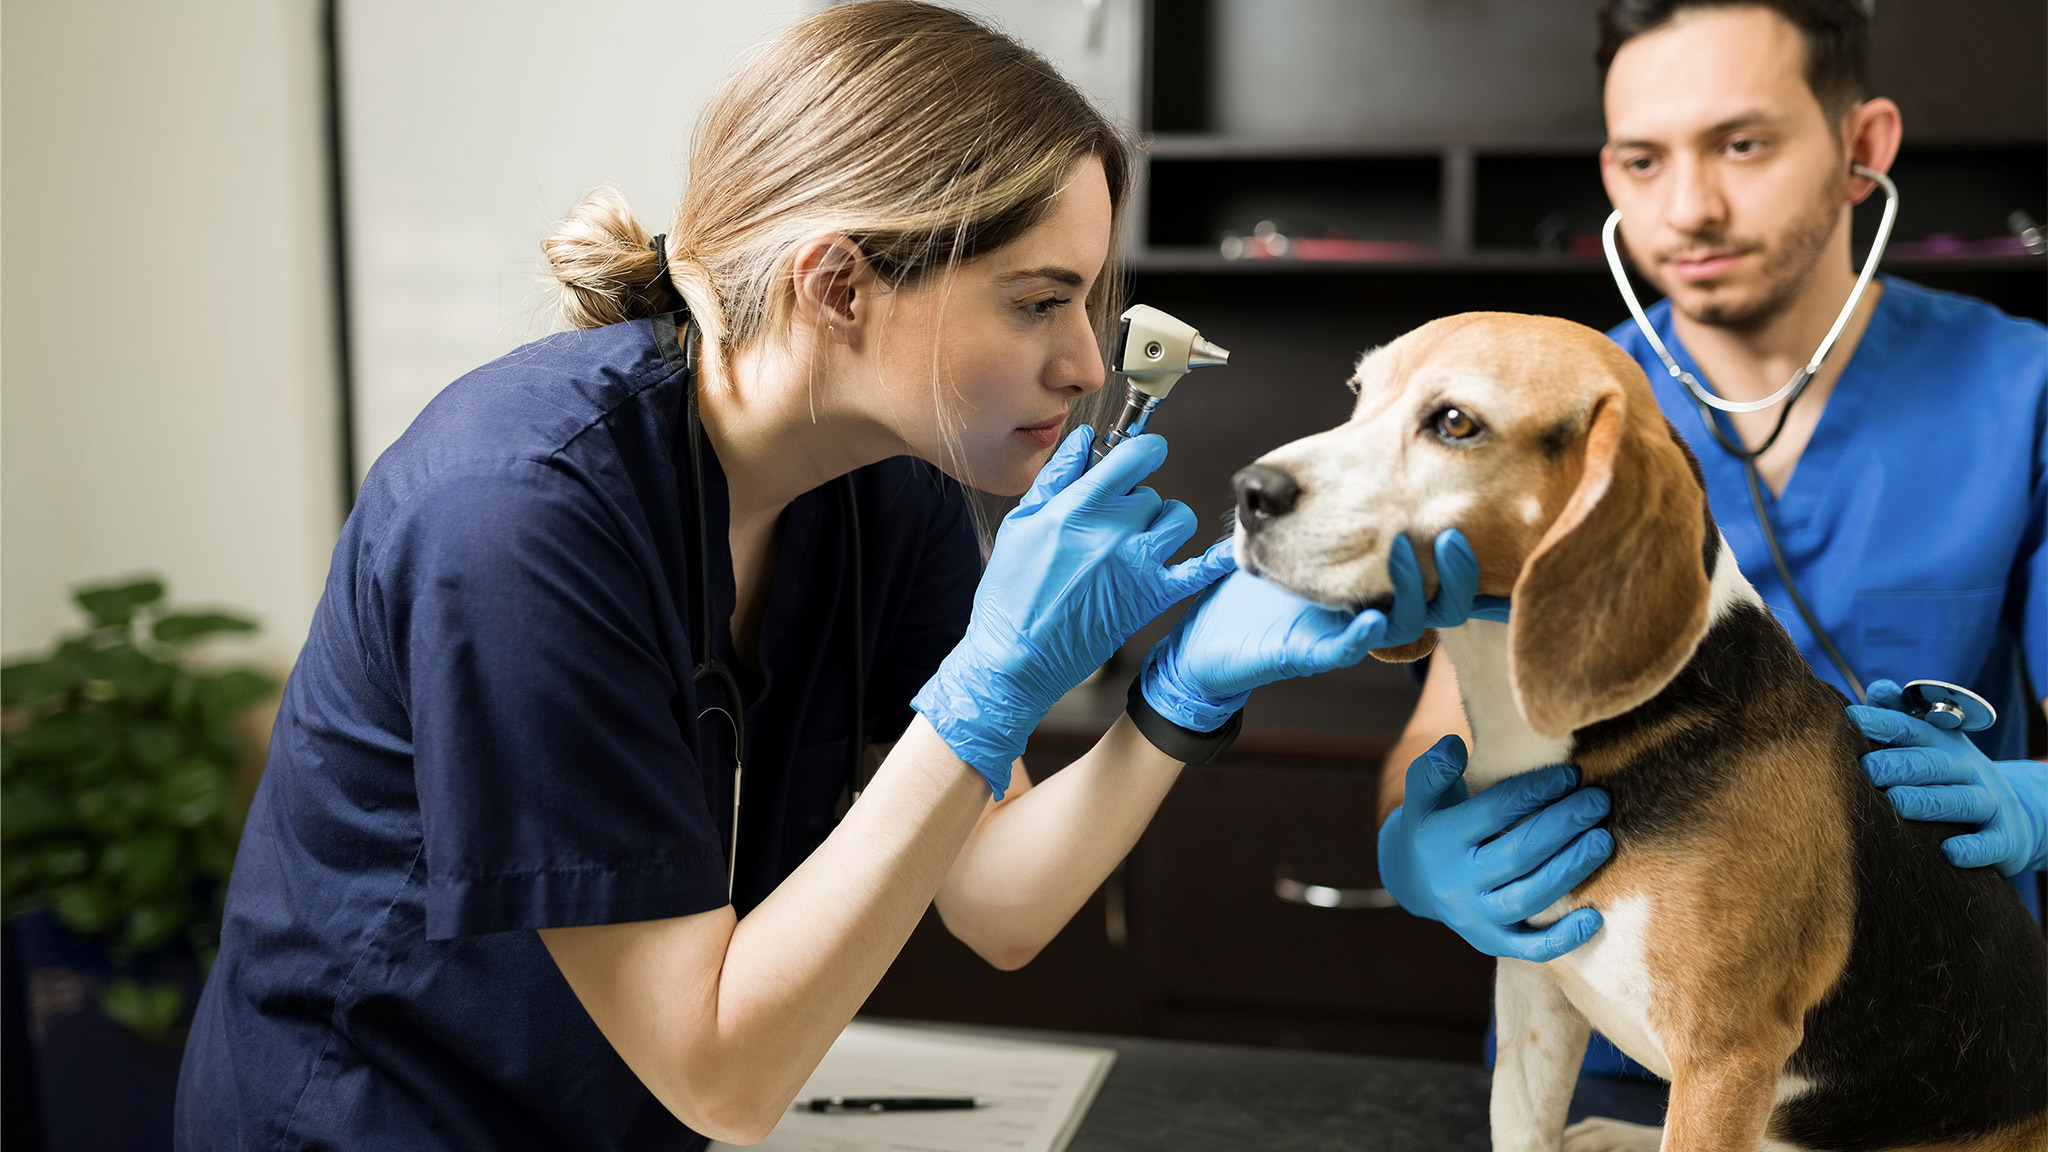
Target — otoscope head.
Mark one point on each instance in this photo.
(1154, 350)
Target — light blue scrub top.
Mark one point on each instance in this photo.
(1914, 521)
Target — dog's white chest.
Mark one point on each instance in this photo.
(1608, 980)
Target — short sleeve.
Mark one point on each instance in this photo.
(929, 615)
(555, 784)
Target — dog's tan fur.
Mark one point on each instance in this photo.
(1582, 494)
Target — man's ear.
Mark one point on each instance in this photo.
(1608, 175)
(833, 286)
(1871, 132)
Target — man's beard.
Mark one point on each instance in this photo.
(1786, 273)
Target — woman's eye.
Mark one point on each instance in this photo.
(1455, 424)
(1047, 306)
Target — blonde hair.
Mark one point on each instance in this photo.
(921, 134)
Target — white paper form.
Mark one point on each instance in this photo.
(1040, 1091)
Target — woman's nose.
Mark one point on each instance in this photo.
(1079, 364)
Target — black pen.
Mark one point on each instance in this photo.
(890, 1103)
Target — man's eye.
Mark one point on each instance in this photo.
(1745, 147)
(1455, 424)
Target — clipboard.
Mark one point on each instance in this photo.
(1040, 1093)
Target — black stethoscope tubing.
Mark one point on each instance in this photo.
(709, 666)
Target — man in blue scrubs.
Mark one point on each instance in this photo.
(1909, 486)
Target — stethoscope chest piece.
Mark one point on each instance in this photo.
(1949, 706)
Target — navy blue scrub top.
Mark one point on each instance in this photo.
(493, 728)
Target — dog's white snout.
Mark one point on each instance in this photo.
(1264, 494)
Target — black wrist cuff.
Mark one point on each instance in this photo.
(1183, 744)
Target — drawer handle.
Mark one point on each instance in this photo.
(1292, 891)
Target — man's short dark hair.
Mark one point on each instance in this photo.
(1837, 35)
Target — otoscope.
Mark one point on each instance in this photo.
(1153, 351)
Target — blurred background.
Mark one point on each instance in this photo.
(244, 242)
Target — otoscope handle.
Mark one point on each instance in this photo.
(1130, 422)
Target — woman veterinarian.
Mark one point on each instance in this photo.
(505, 883)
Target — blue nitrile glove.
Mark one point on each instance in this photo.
(1078, 566)
(1246, 631)
(1932, 774)
(1468, 863)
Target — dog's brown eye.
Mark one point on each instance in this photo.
(1455, 424)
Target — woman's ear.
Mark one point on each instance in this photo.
(833, 286)
(1612, 601)
(1871, 131)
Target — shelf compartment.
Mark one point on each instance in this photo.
(1195, 203)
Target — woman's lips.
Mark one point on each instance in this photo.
(1043, 435)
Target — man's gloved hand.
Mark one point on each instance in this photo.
(1247, 631)
(1932, 774)
(1468, 863)
(1078, 566)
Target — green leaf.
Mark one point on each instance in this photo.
(192, 794)
(185, 627)
(131, 676)
(141, 863)
(27, 811)
(148, 1010)
(84, 907)
(233, 691)
(68, 738)
(151, 925)
(114, 605)
(61, 861)
(30, 683)
(154, 744)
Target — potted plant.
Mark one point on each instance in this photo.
(118, 754)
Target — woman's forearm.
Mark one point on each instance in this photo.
(1035, 859)
(724, 1020)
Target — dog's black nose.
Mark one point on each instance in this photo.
(1263, 494)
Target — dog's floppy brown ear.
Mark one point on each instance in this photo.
(1410, 652)
(1612, 601)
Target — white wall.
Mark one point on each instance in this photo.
(167, 372)
(471, 127)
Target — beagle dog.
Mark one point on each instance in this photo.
(1805, 968)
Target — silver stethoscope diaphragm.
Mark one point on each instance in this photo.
(1951, 707)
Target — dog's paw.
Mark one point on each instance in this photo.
(1599, 1134)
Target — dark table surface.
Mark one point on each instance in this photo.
(1190, 1097)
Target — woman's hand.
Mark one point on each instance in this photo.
(1931, 774)
(1078, 567)
(1247, 631)
(1477, 865)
